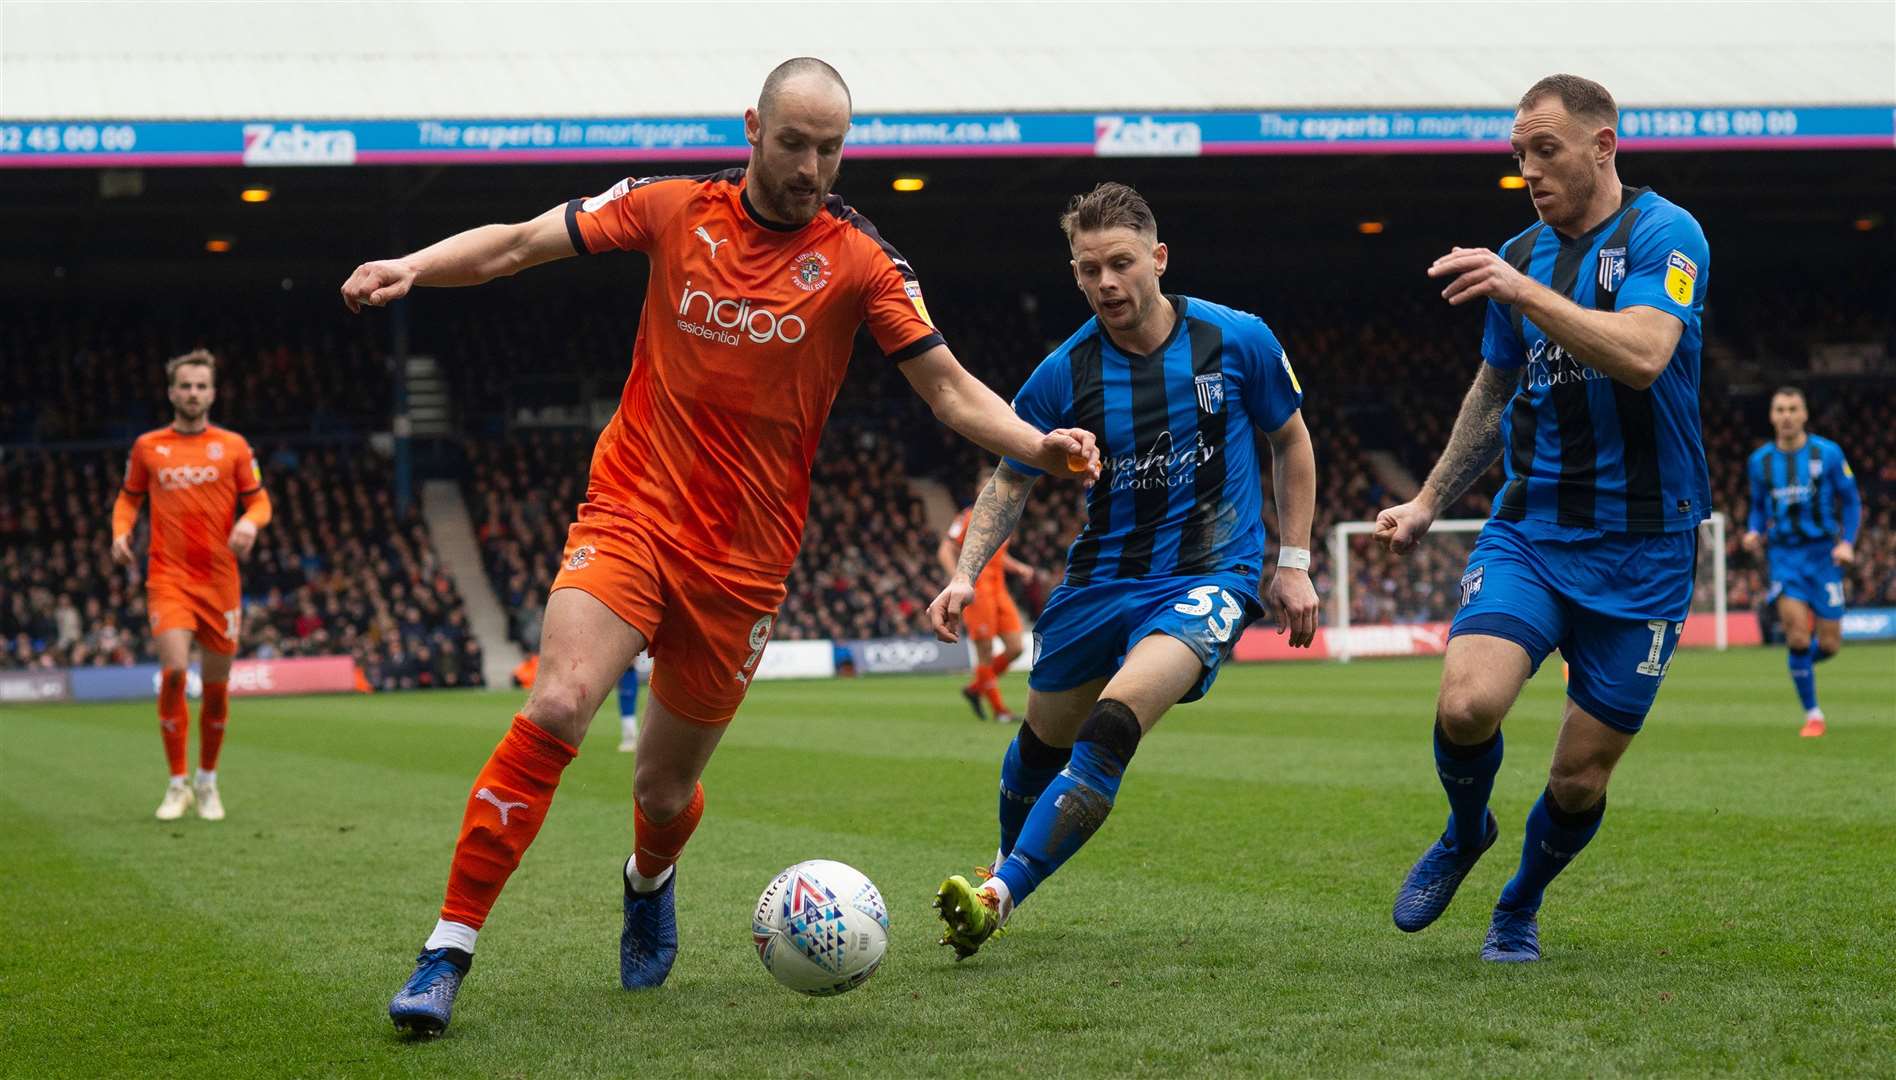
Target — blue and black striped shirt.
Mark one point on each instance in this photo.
(1179, 490)
(1581, 449)
(1804, 495)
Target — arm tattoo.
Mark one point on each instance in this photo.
(992, 521)
(1476, 441)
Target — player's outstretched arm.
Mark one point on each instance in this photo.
(990, 523)
(474, 257)
(1292, 597)
(965, 404)
(1473, 446)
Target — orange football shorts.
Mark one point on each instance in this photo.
(212, 615)
(706, 625)
(990, 615)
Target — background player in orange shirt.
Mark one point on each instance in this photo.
(699, 484)
(196, 474)
(991, 614)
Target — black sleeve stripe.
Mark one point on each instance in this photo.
(850, 216)
(572, 227)
(132, 491)
(916, 348)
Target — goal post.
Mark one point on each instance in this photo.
(1438, 592)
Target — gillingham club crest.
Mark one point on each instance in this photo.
(811, 271)
(1211, 391)
(1612, 269)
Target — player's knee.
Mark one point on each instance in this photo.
(661, 795)
(1796, 638)
(558, 708)
(1576, 786)
(1467, 715)
(1113, 727)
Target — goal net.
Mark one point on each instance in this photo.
(1382, 604)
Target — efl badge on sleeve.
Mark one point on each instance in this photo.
(1612, 269)
(1681, 278)
(914, 291)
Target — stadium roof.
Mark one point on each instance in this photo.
(172, 60)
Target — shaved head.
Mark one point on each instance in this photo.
(798, 73)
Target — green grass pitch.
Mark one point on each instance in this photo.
(1734, 915)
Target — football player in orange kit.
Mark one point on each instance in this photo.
(699, 485)
(196, 474)
(990, 615)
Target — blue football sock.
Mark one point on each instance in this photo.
(629, 694)
(1030, 765)
(1803, 677)
(1553, 838)
(1817, 654)
(1076, 803)
(1467, 775)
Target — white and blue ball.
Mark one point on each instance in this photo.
(821, 928)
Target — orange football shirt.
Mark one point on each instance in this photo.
(993, 579)
(742, 346)
(194, 483)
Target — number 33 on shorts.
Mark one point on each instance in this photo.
(1200, 602)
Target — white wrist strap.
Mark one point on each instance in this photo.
(1295, 558)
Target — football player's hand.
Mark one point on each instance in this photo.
(1753, 542)
(945, 612)
(377, 283)
(1478, 273)
(122, 549)
(1294, 600)
(1070, 452)
(1401, 528)
(243, 536)
(1844, 554)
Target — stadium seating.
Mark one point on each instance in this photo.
(341, 571)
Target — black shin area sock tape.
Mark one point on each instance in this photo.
(1113, 728)
(1459, 752)
(1568, 819)
(1035, 754)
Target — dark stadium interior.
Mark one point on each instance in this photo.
(106, 275)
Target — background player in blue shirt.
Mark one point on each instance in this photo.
(1165, 575)
(1591, 386)
(1804, 498)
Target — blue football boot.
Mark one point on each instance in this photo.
(649, 942)
(1513, 938)
(1433, 879)
(425, 1002)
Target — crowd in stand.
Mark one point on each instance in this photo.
(342, 570)
(290, 363)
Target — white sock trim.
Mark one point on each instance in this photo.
(207, 777)
(452, 935)
(642, 884)
(1005, 905)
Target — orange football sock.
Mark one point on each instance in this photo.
(213, 713)
(504, 812)
(657, 845)
(174, 719)
(992, 688)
